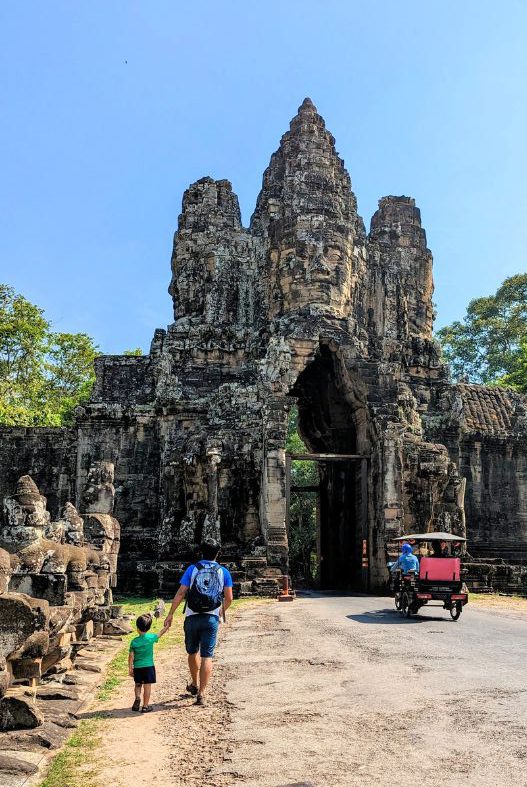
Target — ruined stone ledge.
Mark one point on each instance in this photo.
(58, 701)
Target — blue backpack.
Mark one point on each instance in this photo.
(205, 594)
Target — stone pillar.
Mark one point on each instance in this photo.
(211, 525)
(101, 529)
(273, 507)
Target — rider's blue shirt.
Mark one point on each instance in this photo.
(406, 563)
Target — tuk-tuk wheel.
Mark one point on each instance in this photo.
(455, 610)
(406, 607)
(397, 601)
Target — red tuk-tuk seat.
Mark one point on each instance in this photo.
(440, 569)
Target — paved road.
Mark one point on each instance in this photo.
(331, 691)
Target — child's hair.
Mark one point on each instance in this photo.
(144, 622)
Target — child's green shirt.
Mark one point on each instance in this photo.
(143, 649)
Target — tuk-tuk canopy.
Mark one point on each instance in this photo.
(435, 536)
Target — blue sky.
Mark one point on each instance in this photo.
(111, 109)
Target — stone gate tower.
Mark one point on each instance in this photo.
(302, 306)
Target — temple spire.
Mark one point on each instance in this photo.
(305, 176)
(307, 106)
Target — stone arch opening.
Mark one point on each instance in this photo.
(332, 420)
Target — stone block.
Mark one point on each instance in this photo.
(56, 692)
(84, 631)
(20, 617)
(87, 666)
(26, 669)
(17, 766)
(4, 681)
(91, 580)
(117, 627)
(34, 647)
(97, 614)
(51, 587)
(17, 713)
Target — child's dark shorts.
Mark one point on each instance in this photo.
(144, 675)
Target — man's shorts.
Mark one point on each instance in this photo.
(144, 675)
(201, 632)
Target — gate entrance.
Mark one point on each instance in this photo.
(341, 500)
(333, 427)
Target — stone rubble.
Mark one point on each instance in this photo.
(56, 580)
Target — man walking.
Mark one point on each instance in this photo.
(207, 587)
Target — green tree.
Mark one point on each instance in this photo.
(137, 351)
(69, 374)
(486, 346)
(23, 345)
(43, 375)
(302, 507)
(517, 377)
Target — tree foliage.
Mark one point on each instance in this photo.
(517, 377)
(43, 375)
(489, 344)
(302, 508)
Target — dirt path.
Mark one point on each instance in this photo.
(176, 745)
(334, 692)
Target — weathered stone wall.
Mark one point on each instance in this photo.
(51, 456)
(131, 442)
(485, 431)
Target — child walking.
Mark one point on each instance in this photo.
(141, 661)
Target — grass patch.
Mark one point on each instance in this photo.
(518, 603)
(73, 767)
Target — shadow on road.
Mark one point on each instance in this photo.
(120, 713)
(390, 617)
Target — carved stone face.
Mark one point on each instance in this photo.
(25, 516)
(99, 492)
(317, 274)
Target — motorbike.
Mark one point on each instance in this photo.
(438, 579)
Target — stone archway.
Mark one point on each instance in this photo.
(333, 426)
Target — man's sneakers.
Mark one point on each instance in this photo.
(136, 705)
(194, 691)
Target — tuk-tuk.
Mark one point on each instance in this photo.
(439, 577)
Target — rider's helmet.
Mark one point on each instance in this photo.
(406, 549)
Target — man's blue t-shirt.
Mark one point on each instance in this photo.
(190, 573)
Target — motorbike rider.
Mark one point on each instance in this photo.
(406, 561)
